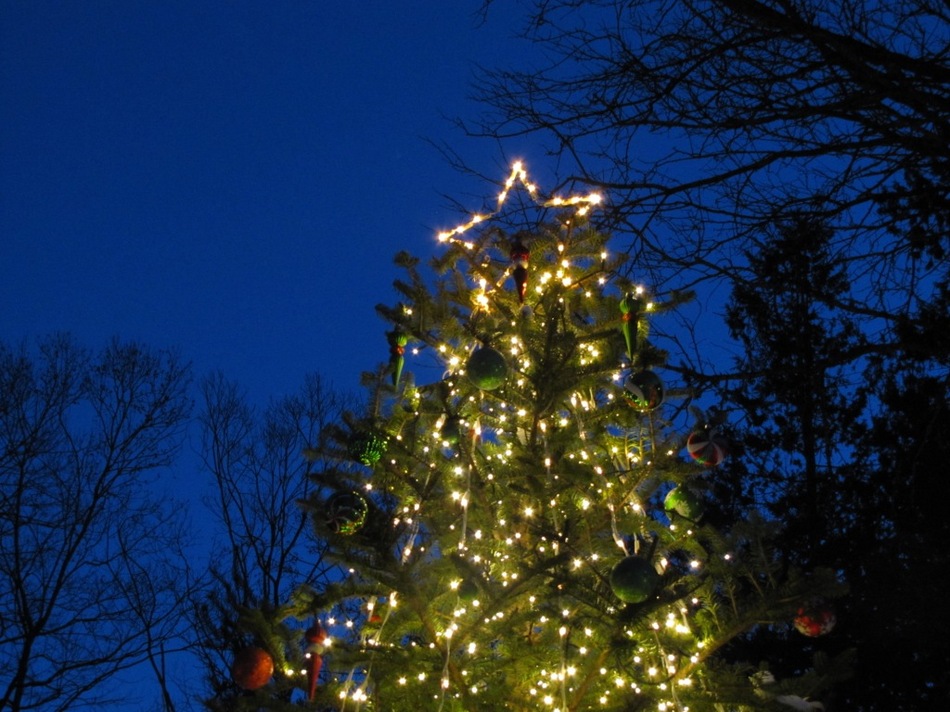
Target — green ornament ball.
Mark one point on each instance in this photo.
(487, 368)
(345, 512)
(368, 447)
(451, 431)
(644, 390)
(685, 502)
(468, 591)
(633, 579)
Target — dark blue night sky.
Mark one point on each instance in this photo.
(233, 178)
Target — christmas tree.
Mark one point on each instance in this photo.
(522, 516)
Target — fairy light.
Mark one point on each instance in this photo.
(582, 204)
(502, 548)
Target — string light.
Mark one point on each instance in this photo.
(581, 203)
(501, 550)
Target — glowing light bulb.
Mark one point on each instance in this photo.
(518, 174)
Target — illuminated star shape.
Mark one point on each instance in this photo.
(583, 204)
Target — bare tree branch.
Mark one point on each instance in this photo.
(706, 121)
(90, 560)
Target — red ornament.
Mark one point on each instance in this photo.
(313, 672)
(707, 447)
(815, 619)
(519, 257)
(252, 668)
(315, 634)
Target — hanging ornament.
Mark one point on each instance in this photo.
(313, 674)
(397, 349)
(519, 258)
(315, 636)
(367, 447)
(467, 591)
(815, 618)
(252, 668)
(451, 431)
(685, 502)
(644, 390)
(633, 579)
(369, 610)
(630, 307)
(345, 512)
(707, 446)
(486, 368)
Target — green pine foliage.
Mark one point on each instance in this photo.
(480, 578)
